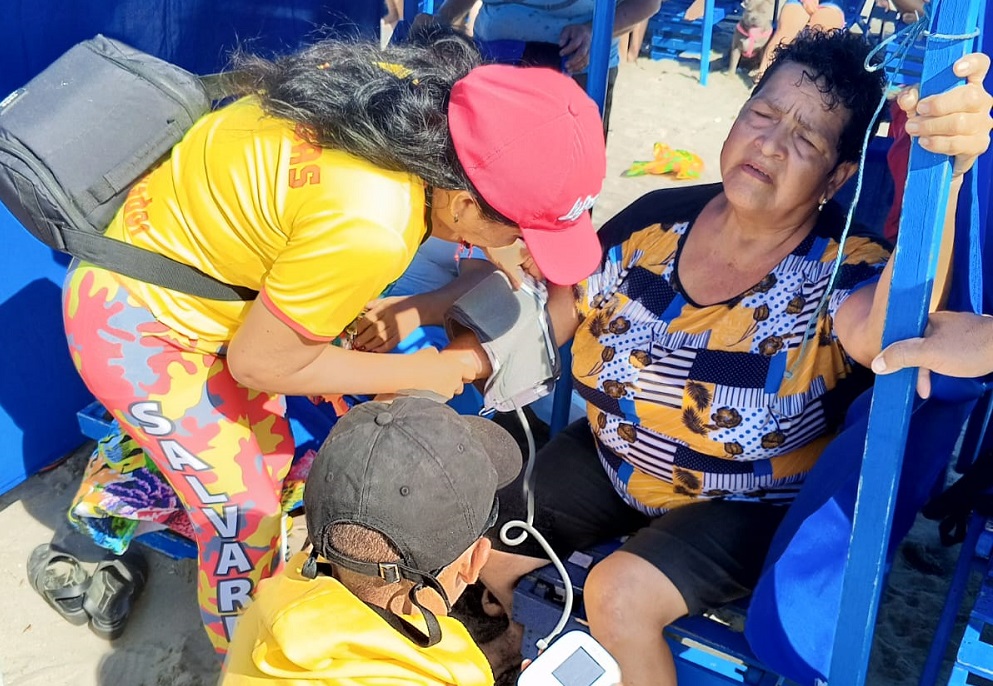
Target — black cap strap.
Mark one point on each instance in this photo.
(312, 568)
(391, 573)
(408, 630)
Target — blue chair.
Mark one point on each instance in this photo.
(975, 652)
(672, 37)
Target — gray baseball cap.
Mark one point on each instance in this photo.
(417, 472)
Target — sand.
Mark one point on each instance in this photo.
(164, 643)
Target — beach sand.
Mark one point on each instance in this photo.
(164, 643)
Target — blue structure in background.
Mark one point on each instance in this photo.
(40, 391)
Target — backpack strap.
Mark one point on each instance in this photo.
(220, 85)
(151, 267)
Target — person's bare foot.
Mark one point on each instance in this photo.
(694, 11)
(504, 652)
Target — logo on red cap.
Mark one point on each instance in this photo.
(581, 205)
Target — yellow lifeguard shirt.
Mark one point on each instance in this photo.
(246, 199)
(301, 631)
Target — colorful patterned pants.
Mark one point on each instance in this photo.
(224, 448)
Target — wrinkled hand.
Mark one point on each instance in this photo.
(515, 261)
(954, 344)
(387, 322)
(575, 41)
(957, 122)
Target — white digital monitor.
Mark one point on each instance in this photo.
(574, 659)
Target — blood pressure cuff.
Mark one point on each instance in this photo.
(516, 334)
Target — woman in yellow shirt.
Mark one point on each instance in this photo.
(315, 189)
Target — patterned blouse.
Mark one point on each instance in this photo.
(724, 401)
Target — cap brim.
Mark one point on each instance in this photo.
(567, 256)
(499, 445)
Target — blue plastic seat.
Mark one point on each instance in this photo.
(672, 37)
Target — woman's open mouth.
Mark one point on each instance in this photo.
(756, 172)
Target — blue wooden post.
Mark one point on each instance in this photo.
(411, 8)
(706, 37)
(915, 261)
(562, 400)
(603, 30)
(596, 88)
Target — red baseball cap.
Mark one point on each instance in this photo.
(531, 141)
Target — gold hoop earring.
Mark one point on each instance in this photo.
(456, 218)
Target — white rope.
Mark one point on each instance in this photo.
(905, 39)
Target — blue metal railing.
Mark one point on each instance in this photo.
(915, 262)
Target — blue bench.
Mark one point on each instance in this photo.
(672, 37)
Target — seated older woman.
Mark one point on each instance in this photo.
(716, 356)
(709, 399)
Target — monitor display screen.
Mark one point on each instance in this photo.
(579, 669)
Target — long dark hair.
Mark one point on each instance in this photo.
(388, 106)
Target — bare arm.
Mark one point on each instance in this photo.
(861, 317)
(389, 320)
(267, 355)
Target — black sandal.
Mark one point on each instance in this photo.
(116, 584)
(60, 579)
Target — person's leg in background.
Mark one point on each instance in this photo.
(470, 19)
(394, 12)
(828, 16)
(224, 449)
(694, 11)
(636, 37)
(792, 18)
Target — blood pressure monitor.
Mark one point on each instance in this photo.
(574, 659)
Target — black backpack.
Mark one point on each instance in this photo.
(77, 137)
